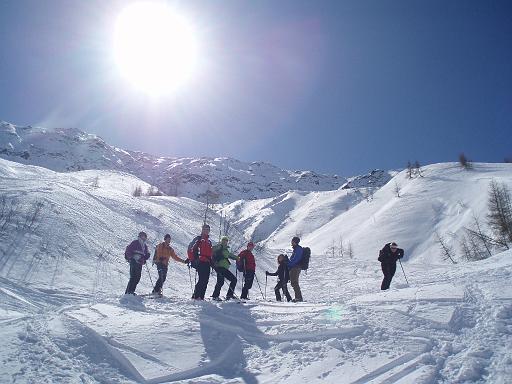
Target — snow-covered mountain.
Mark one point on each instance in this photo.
(62, 274)
(443, 201)
(224, 179)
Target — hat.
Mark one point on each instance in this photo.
(142, 233)
(393, 244)
(295, 240)
(224, 238)
(250, 244)
(167, 236)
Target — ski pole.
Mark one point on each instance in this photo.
(190, 278)
(150, 279)
(256, 276)
(236, 277)
(243, 281)
(403, 271)
(266, 278)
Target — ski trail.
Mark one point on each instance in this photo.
(386, 368)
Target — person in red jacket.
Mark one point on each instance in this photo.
(200, 253)
(249, 268)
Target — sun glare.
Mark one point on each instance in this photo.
(155, 48)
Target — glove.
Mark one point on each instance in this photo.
(186, 261)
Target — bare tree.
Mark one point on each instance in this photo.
(409, 170)
(417, 168)
(342, 247)
(176, 183)
(478, 234)
(227, 225)
(211, 197)
(153, 191)
(446, 250)
(220, 221)
(464, 161)
(137, 192)
(8, 211)
(33, 217)
(499, 217)
(350, 250)
(476, 249)
(397, 189)
(465, 249)
(332, 250)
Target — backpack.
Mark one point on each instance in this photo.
(218, 255)
(306, 255)
(240, 265)
(193, 254)
(127, 256)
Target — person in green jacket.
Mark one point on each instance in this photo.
(221, 256)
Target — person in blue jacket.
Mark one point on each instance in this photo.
(294, 266)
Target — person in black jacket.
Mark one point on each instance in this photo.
(388, 257)
(283, 276)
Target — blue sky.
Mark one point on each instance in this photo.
(334, 86)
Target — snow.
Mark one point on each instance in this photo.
(444, 200)
(70, 149)
(64, 318)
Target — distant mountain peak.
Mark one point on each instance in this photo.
(229, 179)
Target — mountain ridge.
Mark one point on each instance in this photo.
(220, 179)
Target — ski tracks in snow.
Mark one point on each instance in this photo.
(229, 341)
(456, 331)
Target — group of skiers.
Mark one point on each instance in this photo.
(202, 255)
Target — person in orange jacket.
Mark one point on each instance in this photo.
(163, 253)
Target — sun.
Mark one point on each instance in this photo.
(155, 48)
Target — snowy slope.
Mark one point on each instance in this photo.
(64, 319)
(224, 178)
(444, 200)
(80, 228)
(275, 221)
